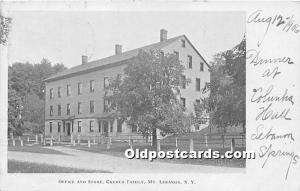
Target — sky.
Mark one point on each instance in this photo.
(63, 37)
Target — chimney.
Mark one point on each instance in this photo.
(118, 49)
(84, 59)
(163, 35)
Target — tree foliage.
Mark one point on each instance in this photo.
(26, 95)
(147, 94)
(226, 103)
(4, 29)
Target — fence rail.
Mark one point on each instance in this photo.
(201, 141)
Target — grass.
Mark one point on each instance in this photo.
(118, 149)
(15, 166)
(35, 149)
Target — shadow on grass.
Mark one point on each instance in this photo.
(35, 149)
(15, 166)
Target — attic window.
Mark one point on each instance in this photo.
(183, 43)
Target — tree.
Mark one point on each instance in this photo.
(227, 101)
(4, 29)
(26, 95)
(147, 95)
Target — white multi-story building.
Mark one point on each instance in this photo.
(75, 101)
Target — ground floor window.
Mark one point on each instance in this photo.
(79, 126)
(50, 124)
(58, 126)
(92, 126)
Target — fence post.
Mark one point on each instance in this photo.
(129, 139)
(36, 139)
(176, 142)
(223, 139)
(78, 139)
(206, 140)
(89, 143)
(158, 145)
(131, 143)
(14, 142)
(232, 145)
(108, 144)
(51, 141)
(21, 142)
(28, 138)
(71, 140)
(191, 145)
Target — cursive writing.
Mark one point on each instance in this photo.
(286, 24)
(263, 133)
(268, 152)
(267, 113)
(261, 95)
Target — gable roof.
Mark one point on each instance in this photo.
(114, 60)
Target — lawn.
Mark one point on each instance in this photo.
(35, 149)
(118, 149)
(27, 167)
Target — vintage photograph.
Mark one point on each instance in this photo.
(126, 92)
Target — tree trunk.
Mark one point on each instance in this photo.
(154, 139)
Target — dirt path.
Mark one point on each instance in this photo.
(95, 161)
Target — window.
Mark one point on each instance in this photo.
(68, 90)
(106, 105)
(79, 88)
(58, 91)
(183, 82)
(99, 126)
(79, 126)
(182, 101)
(91, 126)
(58, 126)
(183, 43)
(106, 82)
(190, 61)
(92, 86)
(50, 125)
(79, 108)
(176, 54)
(51, 93)
(59, 110)
(119, 126)
(51, 110)
(197, 101)
(68, 109)
(197, 84)
(133, 128)
(201, 66)
(92, 106)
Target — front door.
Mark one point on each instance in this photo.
(69, 129)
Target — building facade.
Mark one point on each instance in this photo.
(74, 98)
